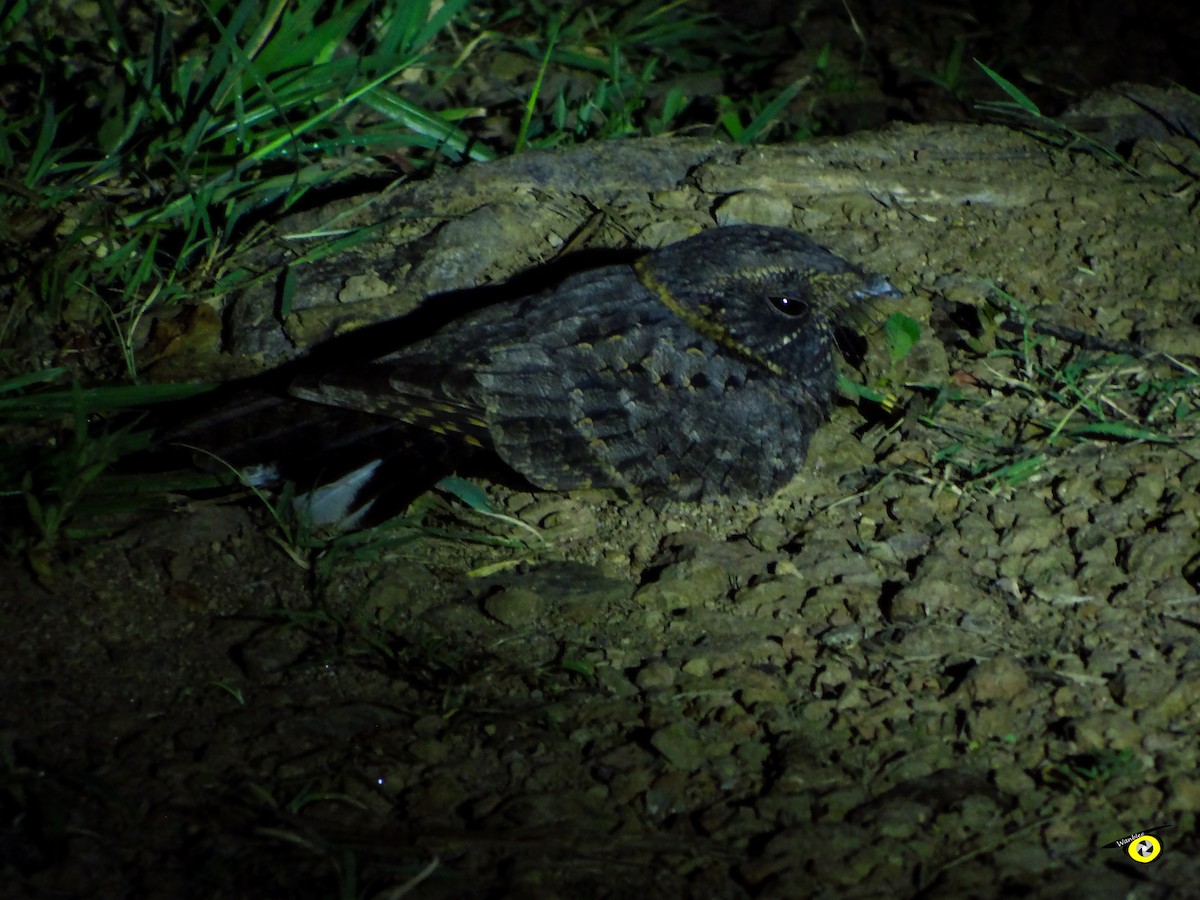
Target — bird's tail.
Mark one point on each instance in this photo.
(347, 468)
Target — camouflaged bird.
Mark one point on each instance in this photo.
(700, 370)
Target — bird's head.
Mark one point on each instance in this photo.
(769, 294)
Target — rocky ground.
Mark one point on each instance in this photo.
(955, 657)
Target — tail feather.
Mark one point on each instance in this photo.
(348, 468)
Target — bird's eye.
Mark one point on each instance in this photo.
(789, 306)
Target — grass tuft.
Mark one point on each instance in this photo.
(1033, 396)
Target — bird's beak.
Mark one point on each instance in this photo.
(877, 286)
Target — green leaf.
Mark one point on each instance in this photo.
(1119, 430)
(761, 124)
(578, 667)
(22, 381)
(531, 103)
(729, 118)
(56, 402)
(474, 497)
(903, 333)
(470, 494)
(854, 389)
(1018, 96)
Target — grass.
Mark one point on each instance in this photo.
(1021, 109)
(1092, 773)
(64, 475)
(160, 177)
(191, 134)
(1034, 395)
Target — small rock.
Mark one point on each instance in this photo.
(655, 675)
(756, 208)
(515, 606)
(680, 746)
(767, 534)
(1000, 678)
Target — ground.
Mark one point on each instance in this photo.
(955, 657)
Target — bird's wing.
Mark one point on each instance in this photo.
(384, 389)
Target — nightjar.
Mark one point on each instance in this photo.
(700, 370)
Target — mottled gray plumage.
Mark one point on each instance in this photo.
(701, 370)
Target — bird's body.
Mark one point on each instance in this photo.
(701, 370)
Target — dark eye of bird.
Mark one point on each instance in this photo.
(789, 306)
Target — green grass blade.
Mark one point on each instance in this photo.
(1018, 96)
(761, 123)
(531, 103)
